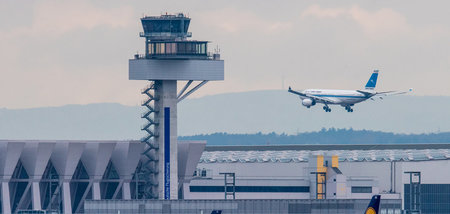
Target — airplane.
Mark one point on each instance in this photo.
(374, 205)
(345, 98)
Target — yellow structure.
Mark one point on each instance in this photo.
(335, 161)
(322, 164)
(321, 177)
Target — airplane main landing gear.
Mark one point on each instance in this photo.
(327, 109)
(348, 108)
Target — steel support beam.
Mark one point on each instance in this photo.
(192, 90)
(184, 88)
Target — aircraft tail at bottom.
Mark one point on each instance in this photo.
(374, 205)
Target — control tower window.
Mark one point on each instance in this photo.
(171, 48)
(177, 48)
(172, 26)
(151, 48)
(160, 48)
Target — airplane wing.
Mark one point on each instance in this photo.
(316, 98)
(389, 93)
(296, 92)
(369, 93)
(323, 99)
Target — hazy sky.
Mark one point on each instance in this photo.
(76, 52)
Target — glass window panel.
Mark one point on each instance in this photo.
(203, 48)
(362, 189)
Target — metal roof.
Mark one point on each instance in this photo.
(351, 153)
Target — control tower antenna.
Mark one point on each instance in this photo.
(169, 57)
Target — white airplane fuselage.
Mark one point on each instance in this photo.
(339, 97)
(345, 98)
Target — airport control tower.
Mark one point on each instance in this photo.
(169, 57)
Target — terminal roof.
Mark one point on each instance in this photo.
(301, 153)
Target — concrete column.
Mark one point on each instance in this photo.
(96, 191)
(65, 158)
(35, 157)
(166, 91)
(126, 193)
(9, 155)
(36, 196)
(95, 159)
(66, 197)
(125, 159)
(6, 202)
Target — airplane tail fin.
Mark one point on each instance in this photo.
(372, 81)
(374, 205)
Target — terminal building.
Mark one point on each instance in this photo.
(83, 176)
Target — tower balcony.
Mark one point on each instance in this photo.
(165, 35)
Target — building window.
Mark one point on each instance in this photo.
(361, 189)
(434, 198)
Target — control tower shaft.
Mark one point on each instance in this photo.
(169, 57)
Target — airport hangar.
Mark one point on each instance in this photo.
(83, 176)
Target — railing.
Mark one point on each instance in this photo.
(165, 34)
(203, 173)
(209, 56)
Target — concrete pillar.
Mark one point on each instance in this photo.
(96, 190)
(9, 156)
(35, 157)
(65, 158)
(125, 159)
(67, 203)
(36, 196)
(126, 193)
(95, 159)
(6, 202)
(166, 92)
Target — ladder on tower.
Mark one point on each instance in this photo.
(149, 167)
(230, 181)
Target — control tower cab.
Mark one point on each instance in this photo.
(169, 57)
(166, 38)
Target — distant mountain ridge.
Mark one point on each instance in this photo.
(234, 113)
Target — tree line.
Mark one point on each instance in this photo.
(324, 136)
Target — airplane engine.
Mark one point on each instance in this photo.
(308, 102)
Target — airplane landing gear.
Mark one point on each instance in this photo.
(327, 109)
(348, 108)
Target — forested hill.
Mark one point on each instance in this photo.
(246, 112)
(330, 136)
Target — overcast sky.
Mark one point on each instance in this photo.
(76, 52)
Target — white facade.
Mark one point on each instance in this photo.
(380, 171)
